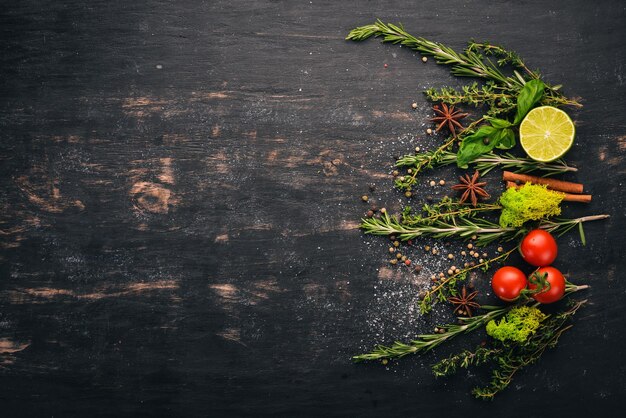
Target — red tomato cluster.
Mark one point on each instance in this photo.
(539, 249)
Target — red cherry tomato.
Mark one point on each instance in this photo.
(508, 282)
(539, 248)
(557, 286)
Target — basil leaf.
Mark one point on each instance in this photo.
(473, 145)
(500, 123)
(506, 139)
(528, 96)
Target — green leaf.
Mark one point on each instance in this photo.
(506, 139)
(582, 233)
(528, 97)
(500, 123)
(473, 146)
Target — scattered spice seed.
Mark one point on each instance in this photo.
(414, 105)
(472, 253)
(392, 237)
(442, 275)
(365, 198)
(424, 59)
(474, 237)
(384, 362)
(417, 149)
(434, 251)
(395, 173)
(418, 268)
(442, 331)
(407, 262)
(370, 213)
(480, 260)
(398, 256)
(427, 248)
(409, 242)
(450, 256)
(450, 272)
(386, 65)
(500, 249)
(466, 265)
(393, 261)
(396, 243)
(392, 250)
(463, 253)
(485, 255)
(432, 183)
(408, 194)
(470, 246)
(383, 210)
(442, 182)
(410, 171)
(429, 131)
(401, 178)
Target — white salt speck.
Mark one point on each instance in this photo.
(159, 67)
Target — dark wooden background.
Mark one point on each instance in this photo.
(180, 187)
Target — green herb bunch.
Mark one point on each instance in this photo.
(509, 91)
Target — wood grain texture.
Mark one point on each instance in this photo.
(180, 188)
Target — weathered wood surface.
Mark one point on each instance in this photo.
(180, 187)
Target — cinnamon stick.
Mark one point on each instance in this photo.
(558, 185)
(583, 198)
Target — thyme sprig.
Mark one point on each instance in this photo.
(426, 342)
(509, 358)
(442, 156)
(441, 290)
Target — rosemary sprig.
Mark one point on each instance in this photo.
(426, 342)
(463, 228)
(470, 63)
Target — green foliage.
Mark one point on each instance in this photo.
(518, 324)
(498, 134)
(529, 202)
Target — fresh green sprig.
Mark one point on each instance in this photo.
(514, 358)
(426, 342)
(443, 288)
(463, 360)
(470, 63)
(484, 164)
(463, 228)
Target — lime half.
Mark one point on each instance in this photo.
(546, 133)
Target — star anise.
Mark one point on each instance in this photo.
(472, 188)
(448, 116)
(464, 303)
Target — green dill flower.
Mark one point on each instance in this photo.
(529, 202)
(518, 324)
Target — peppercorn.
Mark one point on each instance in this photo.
(463, 253)
(427, 247)
(429, 131)
(417, 149)
(384, 362)
(410, 171)
(409, 242)
(398, 256)
(396, 243)
(450, 272)
(393, 261)
(365, 198)
(450, 256)
(392, 250)
(474, 237)
(424, 59)
(500, 249)
(442, 182)
(486, 141)
(407, 262)
(414, 105)
(434, 251)
(395, 173)
(470, 246)
(432, 183)
(442, 331)
(370, 213)
(408, 194)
